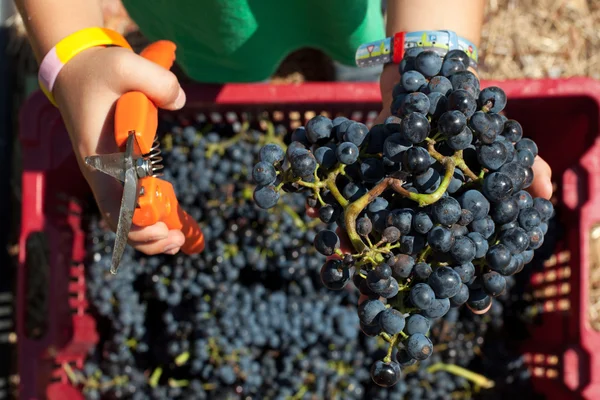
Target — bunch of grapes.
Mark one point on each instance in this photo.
(433, 202)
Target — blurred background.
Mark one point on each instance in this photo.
(522, 39)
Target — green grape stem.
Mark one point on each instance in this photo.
(474, 377)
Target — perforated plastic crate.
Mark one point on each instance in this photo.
(563, 116)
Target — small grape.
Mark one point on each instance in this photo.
(326, 242)
(419, 346)
(264, 173)
(266, 196)
(385, 374)
(334, 276)
(347, 153)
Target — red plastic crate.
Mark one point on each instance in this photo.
(563, 116)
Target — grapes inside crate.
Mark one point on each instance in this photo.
(251, 317)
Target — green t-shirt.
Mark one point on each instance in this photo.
(222, 41)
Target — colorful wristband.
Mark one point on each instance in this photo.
(392, 49)
(68, 48)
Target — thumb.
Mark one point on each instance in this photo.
(160, 85)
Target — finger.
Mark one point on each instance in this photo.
(479, 312)
(159, 84)
(170, 245)
(158, 231)
(542, 182)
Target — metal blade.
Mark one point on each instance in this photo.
(128, 202)
(110, 164)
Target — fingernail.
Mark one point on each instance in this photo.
(171, 249)
(180, 102)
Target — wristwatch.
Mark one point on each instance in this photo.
(391, 49)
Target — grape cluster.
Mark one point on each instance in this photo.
(431, 205)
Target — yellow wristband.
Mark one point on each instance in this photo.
(68, 48)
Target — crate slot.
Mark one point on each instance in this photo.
(37, 266)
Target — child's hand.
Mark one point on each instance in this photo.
(86, 91)
(541, 186)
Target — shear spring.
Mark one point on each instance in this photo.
(155, 158)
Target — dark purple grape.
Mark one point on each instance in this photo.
(439, 84)
(527, 144)
(415, 102)
(466, 271)
(372, 170)
(529, 218)
(493, 283)
(492, 156)
(428, 63)
(516, 240)
(347, 153)
(461, 297)
(451, 67)
(475, 202)
(446, 211)
(484, 226)
(334, 276)
(421, 271)
(451, 123)
(402, 219)
(498, 257)
(445, 282)
(404, 359)
(459, 55)
(481, 244)
(338, 131)
(417, 323)
(414, 127)
(391, 234)
(505, 211)
(412, 80)
(383, 271)
(479, 300)
(460, 141)
(318, 129)
(421, 296)
(264, 173)
(329, 213)
(266, 196)
(325, 156)
(528, 178)
(536, 238)
(369, 309)
(419, 346)
(326, 242)
(525, 158)
(544, 208)
(463, 250)
(440, 239)
(524, 199)
(512, 131)
(516, 172)
(395, 146)
(497, 186)
(391, 321)
(271, 153)
(385, 374)
(493, 99)
(483, 126)
(466, 80)
(422, 223)
(402, 266)
(466, 217)
(356, 133)
(438, 308)
(364, 226)
(416, 160)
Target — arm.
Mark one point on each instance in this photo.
(465, 17)
(50, 21)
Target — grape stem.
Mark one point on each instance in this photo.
(393, 341)
(474, 377)
(457, 157)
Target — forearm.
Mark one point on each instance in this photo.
(50, 21)
(465, 17)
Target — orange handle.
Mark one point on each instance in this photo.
(159, 203)
(134, 111)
